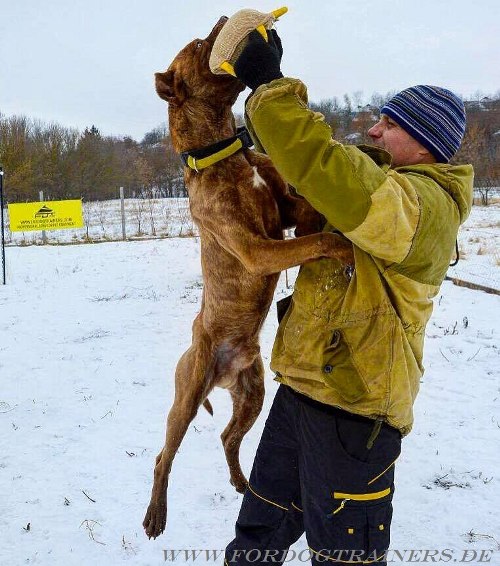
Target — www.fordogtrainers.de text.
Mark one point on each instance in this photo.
(256, 556)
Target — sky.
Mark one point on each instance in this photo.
(88, 62)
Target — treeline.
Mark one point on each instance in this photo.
(67, 163)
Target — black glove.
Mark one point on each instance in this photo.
(259, 62)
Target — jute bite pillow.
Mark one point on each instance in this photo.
(231, 39)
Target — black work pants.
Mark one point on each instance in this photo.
(313, 472)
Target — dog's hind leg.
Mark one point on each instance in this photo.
(190, 392)
(247, 394)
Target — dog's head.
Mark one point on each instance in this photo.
(189, 76)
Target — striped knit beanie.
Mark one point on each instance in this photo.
(434, 116)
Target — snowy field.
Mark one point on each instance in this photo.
(479, 238)
(479, 247)
(90, 336)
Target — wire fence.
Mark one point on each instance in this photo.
(478, 239)
(103, 222)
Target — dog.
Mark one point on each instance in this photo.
(241, 206)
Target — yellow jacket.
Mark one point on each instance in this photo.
(356, 341)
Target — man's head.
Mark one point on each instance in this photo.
(421, 124)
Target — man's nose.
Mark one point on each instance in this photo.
(375, 131)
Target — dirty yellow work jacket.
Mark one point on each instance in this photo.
(357, 342)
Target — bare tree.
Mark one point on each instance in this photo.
(101, 215)
(138, 207)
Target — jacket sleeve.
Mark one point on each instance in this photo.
(372, 205)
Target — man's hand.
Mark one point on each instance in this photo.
(259, 62)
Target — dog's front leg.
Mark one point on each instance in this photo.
(263, 256)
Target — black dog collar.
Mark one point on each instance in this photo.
(201, 158)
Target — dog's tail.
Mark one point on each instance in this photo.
(208, 407)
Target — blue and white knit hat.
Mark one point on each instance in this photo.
(434, 116)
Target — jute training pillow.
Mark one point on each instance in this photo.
(230, 41)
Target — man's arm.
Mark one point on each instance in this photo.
(372, 205)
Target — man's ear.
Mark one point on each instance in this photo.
(170, 87)
(426, 156)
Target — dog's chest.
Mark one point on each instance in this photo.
(257, 180)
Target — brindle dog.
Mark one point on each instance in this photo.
(241, 206)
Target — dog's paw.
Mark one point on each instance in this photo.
(155, 520)
(337, 247)
(239, 484)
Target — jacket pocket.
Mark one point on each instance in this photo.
(339, 373)
(361, 361)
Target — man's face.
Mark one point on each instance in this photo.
(405, 150)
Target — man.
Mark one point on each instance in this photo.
(348, 352)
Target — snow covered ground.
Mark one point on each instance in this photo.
(479, 247)
(89, 339)
(479, 237)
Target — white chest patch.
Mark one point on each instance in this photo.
(258, 181)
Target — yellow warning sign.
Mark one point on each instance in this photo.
(50, 215)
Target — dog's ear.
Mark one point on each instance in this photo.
(170, 87)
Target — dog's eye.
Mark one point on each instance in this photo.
(199, 43)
